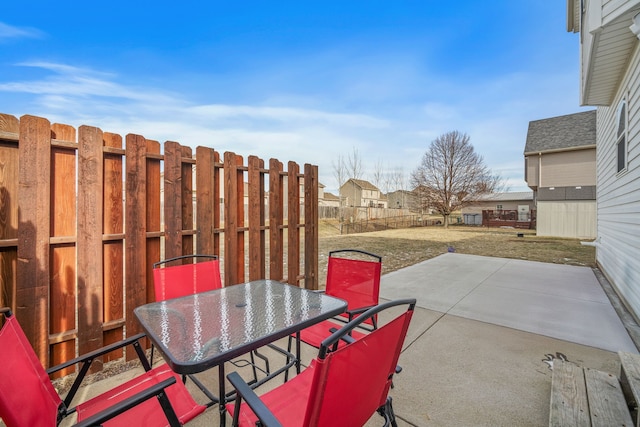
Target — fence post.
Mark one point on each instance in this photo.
(32, 286)
(293, 226)
(208, 201)
(233, 219)
(135, 229)
(257, 248)
(311, 226)
(276, 221)
(89, 245)
(172, 200)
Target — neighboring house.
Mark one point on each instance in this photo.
(610, 80)
(560, 168)
(361, 193)
(327, 199)
(520, 203)
(401, 199)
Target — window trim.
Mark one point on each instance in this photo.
(621, 137)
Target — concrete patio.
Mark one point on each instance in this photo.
(483, 337)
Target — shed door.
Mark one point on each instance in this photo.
(523, 212)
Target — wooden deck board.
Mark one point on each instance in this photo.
(569, 405)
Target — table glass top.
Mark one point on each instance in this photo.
(210, 327)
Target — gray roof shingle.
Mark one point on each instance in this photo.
(556, 133)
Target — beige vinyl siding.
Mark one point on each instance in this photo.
(618, 194)
(531, 171)
(572, 219)
(569, 168)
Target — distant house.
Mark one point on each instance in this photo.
(361, 193)
(402, 199)
(520, 203)
(560, 168)
(327, 199)
(610, 79)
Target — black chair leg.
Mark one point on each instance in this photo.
(386, 411)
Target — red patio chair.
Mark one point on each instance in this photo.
(177, 280)
(27, 397)
(344, 387)
(354, 276)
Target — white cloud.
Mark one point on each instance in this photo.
(11, 32)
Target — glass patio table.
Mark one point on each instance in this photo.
(197, 332)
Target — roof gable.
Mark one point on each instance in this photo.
(562, 133)
(365, 185)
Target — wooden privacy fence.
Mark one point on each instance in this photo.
(81, 223)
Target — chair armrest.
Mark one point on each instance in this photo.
(96, 353)
(347, 338)
(245, 392)
(86, 360)
(360, 310)
(125, 405)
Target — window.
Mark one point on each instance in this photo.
(499, 207)
(621, 137)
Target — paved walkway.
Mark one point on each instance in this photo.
(483, 337)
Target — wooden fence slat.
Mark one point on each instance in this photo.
(311, 226)
(276, 220)
(293, 223)
(255, 195)
(206, 201)
(8, 210)
(135, 229)
(63, 287)
(233, 220)
(32, 286)
(186, 199)
(172, 199)
(90, 210)
(154, 214)
(113, 250)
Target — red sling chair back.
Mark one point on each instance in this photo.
(355, 280)
(344, 387)
(178, 280)
(28, 398)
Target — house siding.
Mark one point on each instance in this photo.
(531, 171)
(570, 168)
(618, 215)
(566, 219)
(612, 9)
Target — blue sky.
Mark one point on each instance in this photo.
(297, 80)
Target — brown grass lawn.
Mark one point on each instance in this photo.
(405, 247)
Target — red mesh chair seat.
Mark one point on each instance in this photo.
(344, 387)
(28, 398)
(148, 413)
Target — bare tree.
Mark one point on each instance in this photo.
(377, 175)
(354, 164)
(452, 175)
(339, 173)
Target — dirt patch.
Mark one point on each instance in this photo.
(405, 247)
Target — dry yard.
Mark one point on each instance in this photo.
(404, 247)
